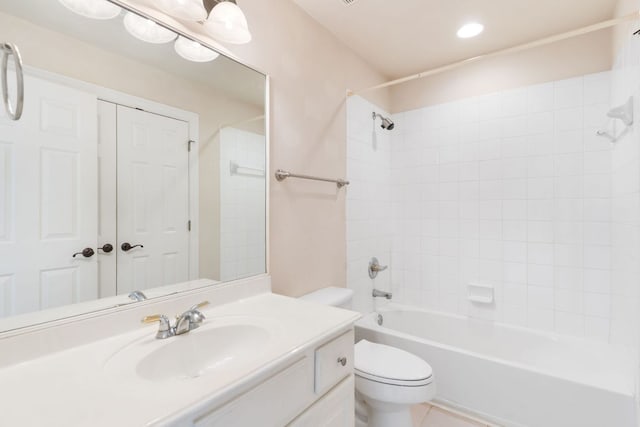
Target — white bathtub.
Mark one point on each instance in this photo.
(514, 376)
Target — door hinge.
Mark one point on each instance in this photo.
(189, 144)
(189, 225)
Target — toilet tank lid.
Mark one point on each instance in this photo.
(332, 296)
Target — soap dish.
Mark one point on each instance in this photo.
(480, 293)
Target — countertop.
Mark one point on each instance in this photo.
(79, 386)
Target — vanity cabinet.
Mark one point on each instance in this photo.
(317, 387)
(335, 409)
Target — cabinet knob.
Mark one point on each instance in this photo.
(342, 361)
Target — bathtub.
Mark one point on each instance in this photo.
(513, 376)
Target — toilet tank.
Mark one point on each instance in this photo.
(335, 297)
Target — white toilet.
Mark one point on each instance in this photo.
(388, 380)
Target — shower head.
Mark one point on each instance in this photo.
(386, 122)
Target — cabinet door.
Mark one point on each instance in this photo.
(335, 409)
(271, 404)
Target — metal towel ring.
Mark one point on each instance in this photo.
(7, 50)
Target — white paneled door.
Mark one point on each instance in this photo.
(153, 200)
(48, 176)
(107, 198)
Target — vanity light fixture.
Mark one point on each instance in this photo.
(194, 51)
(228, 24)
(472, 29)
(189, 10)
(94, 9)
(146, 30)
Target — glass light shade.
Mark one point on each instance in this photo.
(147, 30)
(228, 24)
(94, 9)
(194, 51)
(189, 10)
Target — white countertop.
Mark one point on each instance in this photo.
(73, 387)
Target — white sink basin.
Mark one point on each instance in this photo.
(206, 350)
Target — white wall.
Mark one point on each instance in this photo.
(369, 225)
(242, 207)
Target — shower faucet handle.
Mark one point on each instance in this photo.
(375, 267)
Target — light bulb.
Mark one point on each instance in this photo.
(469, 30)
(228, 24)
(194, 51)
(189, 10)
(146, 30)
(94, 9)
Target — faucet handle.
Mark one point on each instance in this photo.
(200, 305)
(375, 267)
(197, 317)
(165, 330)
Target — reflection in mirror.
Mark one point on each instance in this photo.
(138, 164)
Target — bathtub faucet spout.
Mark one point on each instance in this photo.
(382, 294)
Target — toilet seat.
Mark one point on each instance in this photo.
(389, 365)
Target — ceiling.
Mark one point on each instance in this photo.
(404, 37)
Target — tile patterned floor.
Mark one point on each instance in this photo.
(426, 415)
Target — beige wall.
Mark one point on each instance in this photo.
(109, 70)
(581, 55)
(310, 73)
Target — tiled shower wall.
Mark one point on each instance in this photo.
(242, 204)
(369, 221)
(511, 190)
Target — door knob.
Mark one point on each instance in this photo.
(126, 246)
(86, 252)
(108, 248)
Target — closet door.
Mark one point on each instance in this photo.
(48, 207)
(107, 198)
(153, 200)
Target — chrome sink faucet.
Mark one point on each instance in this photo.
(187, 321)
(137, 296)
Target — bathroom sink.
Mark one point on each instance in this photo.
(203, 351)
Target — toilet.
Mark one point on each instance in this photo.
(388, 380)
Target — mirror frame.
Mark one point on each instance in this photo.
(34, 321)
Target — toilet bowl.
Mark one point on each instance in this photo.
(388, 380)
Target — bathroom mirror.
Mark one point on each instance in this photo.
(138, 163)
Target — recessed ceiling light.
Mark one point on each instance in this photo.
(469, 30)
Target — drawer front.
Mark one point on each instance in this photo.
(334, 361)
(273, 403)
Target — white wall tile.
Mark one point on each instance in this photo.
(512, 189)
